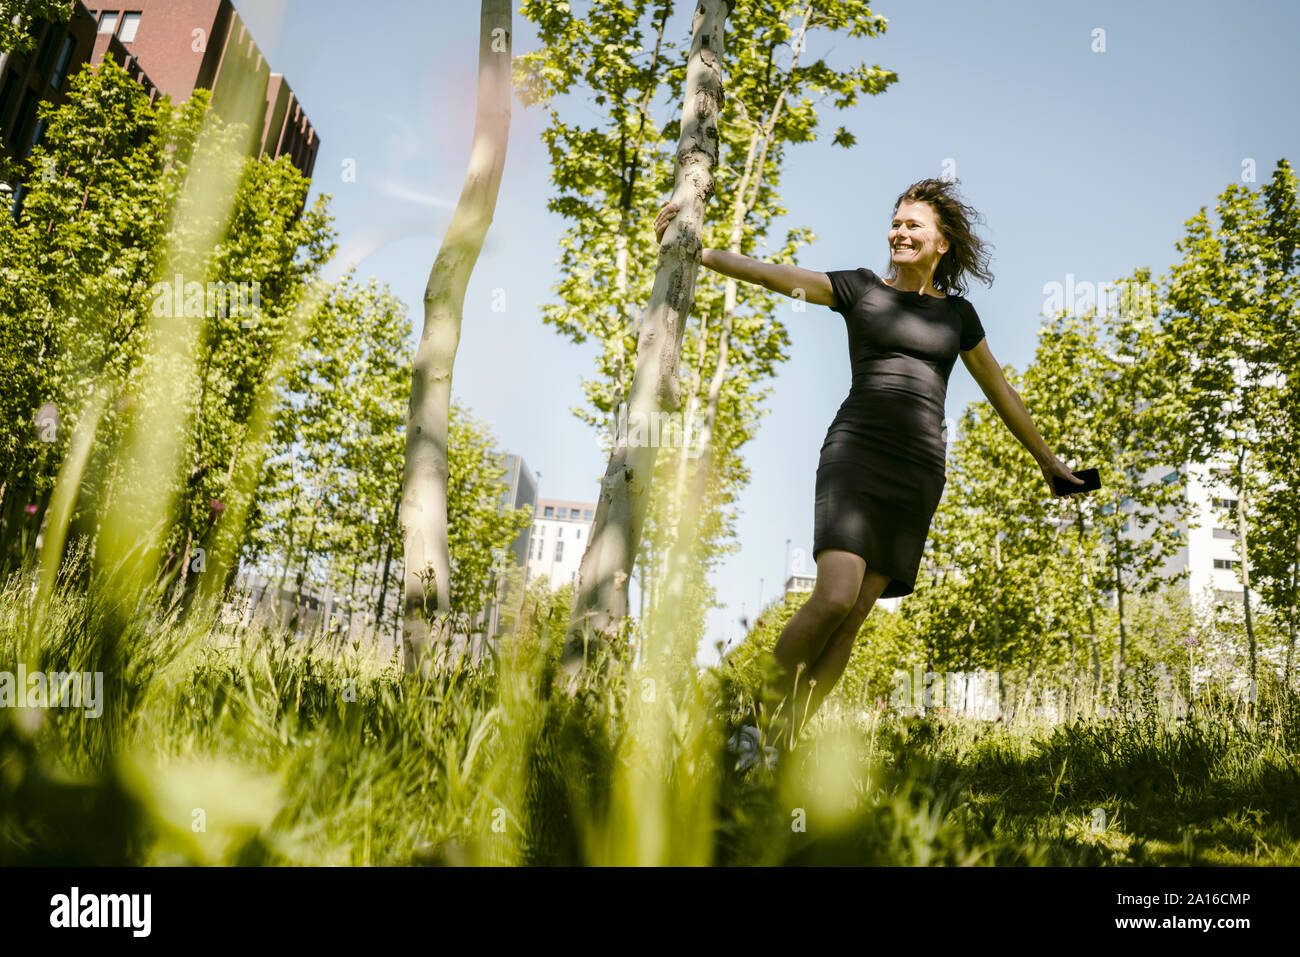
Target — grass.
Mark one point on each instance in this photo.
(247, 749)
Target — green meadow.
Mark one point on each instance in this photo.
(248, 747)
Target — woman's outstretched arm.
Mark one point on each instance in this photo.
(806, 284)
(985, 370)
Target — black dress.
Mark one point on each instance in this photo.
(883, 465)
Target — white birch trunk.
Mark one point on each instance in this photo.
(600, 602)
(427, 576)
(692, 505)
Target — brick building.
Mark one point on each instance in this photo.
(28, 79)
(187, 44)
(172, 47)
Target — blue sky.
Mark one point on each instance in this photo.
(1085, 163)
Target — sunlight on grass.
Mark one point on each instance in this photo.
(229, 746)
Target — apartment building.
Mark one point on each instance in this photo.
(172, 48)
(559, 536)
(41, 75)
(1210, 552)
(185, 45)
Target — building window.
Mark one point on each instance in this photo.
(577, 533)
(36, 137)
(559, 551)
(586, 515)
(130, 23)
(108, 21)
(548, 512)
(49, 46)
(7, 96)
(1171, 477)
(1226, 563)
(25, 114)
(1225, 533)
(1225, 503)
(61, 67)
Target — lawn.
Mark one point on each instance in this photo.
(222, 748)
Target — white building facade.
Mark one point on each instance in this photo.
(557, 540)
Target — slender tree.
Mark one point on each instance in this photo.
(1228, 298)
(600, 602)
(1276, 552)
(611, 177)
(427, 589)
(1100, 382)
(766, 108)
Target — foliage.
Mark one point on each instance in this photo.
(89, 290)
(20, 21)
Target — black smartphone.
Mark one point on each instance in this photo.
(1091, 481)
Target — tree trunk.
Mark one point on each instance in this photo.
(352, 593)
(1092, 619)
(1073, 707)
(600, 601)
(927, 683)
(1245, 568)
(288, 554)
(1290, 617)
(746, 196)
(302, 568)
(388, 564)
(997, 660)
(1119, 600)
(424, 485)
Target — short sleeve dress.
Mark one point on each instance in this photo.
(882, 467)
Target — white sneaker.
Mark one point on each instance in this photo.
(744, 744)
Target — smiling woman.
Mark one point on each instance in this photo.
(882, 467)
(930, 222)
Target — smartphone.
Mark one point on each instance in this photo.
(1091, 481)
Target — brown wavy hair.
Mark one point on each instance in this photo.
(967, 254)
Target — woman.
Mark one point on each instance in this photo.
(882, 466)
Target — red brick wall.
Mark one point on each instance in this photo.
(166, 40)
(186, 44)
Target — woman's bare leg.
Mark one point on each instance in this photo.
(825, 672)
(835, 596)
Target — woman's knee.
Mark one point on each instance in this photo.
(839, 582)
(851, 619)
(833, 605)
